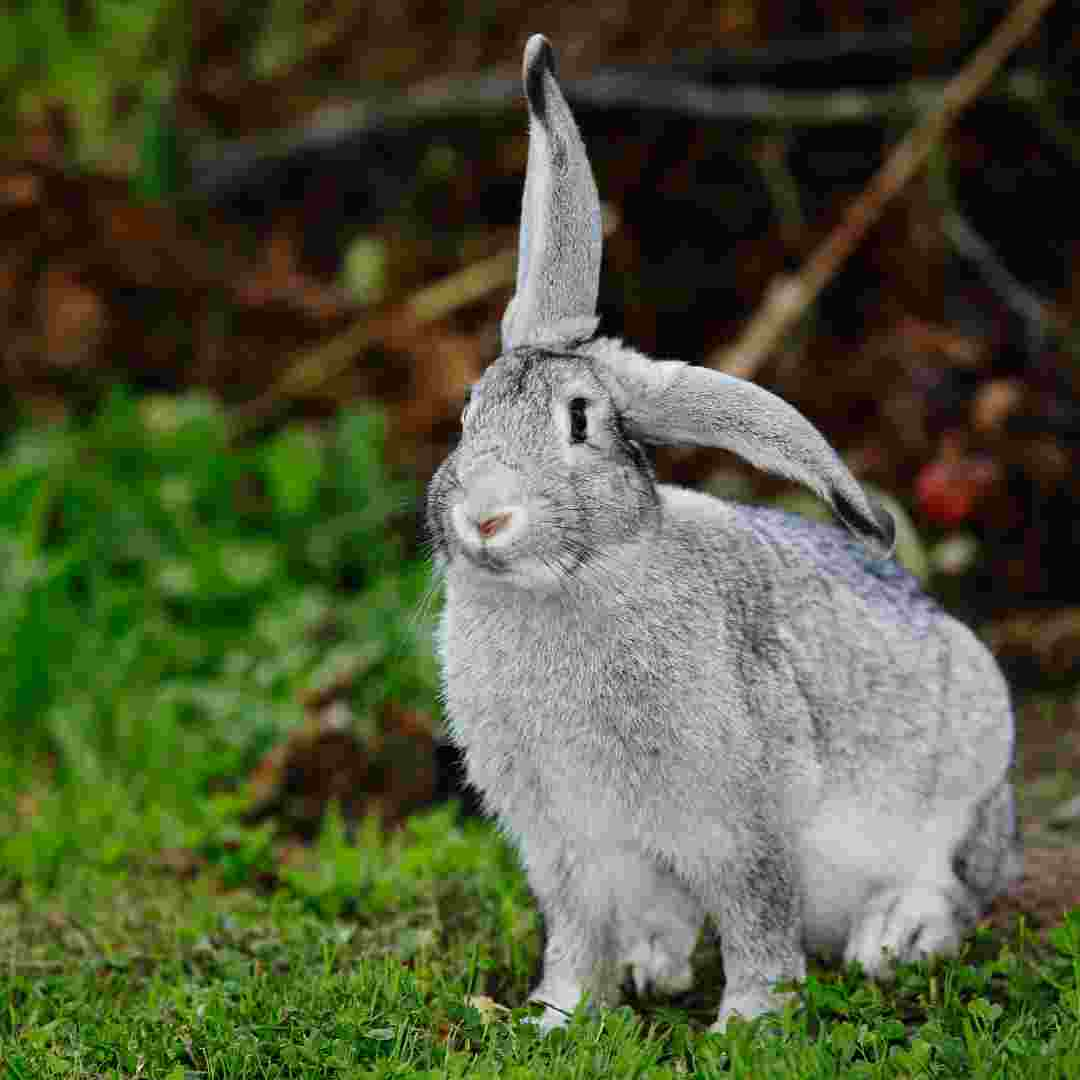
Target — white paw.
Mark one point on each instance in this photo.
(559, 997)
(654, 968)
(902, 926)
(549, 1020)
(749, 1004)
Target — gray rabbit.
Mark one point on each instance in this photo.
(676, 705)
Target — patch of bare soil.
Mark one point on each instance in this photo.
(1049, 888)
(1048, 739)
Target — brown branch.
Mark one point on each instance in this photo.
(310, 369)
(787, 298)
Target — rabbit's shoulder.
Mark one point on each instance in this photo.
(822, 597)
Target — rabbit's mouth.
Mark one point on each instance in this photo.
(486, 559)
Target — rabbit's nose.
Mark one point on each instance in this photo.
(491, 524)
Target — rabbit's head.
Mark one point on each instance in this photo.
(545, 476)
(550, 470)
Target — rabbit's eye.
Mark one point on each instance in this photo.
(579, 421)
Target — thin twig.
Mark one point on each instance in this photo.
(1021, 300)
(309, 369)
(787, 298)
(1039, 316)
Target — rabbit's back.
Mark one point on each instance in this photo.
(887, 688)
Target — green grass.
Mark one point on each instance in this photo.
(164, 598)
(161, 979)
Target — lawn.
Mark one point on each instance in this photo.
(172, 606)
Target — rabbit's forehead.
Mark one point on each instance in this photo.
(530, 379)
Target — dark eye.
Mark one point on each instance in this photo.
(579, 420)
(468, 397)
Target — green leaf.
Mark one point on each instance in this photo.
(360, 439)
(364, 269)
(249, 565)
(383, 1034)
(1066, 938)
(281, 42)
(294, 470)
(157, 170)
(893, 1030)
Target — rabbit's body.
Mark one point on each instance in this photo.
(679, 706)
(868, 753)
(831, 726)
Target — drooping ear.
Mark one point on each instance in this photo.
(674, 404)
(559, 250)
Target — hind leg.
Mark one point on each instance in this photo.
(910, 923)
(929, 915)
(990, 859)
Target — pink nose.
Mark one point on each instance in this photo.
(487, 527)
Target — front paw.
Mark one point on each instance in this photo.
(559, 996)
(653, 969)
(549, 1019)
(749, 1004)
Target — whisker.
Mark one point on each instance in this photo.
(424, 606)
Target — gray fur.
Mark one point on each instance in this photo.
(677, 706)
(671, 403)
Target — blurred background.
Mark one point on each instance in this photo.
(251, 254)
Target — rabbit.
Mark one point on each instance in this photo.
(679, 707)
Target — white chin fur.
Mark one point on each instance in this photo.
(522, 572)
(494, 560)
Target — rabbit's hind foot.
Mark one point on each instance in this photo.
(903, 925)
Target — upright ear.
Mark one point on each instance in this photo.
(558, 271)
(674, 404)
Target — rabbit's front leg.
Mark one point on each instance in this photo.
(577, 958)
(606, 911)
(759, 906)
(659, 923)
(576, 893)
